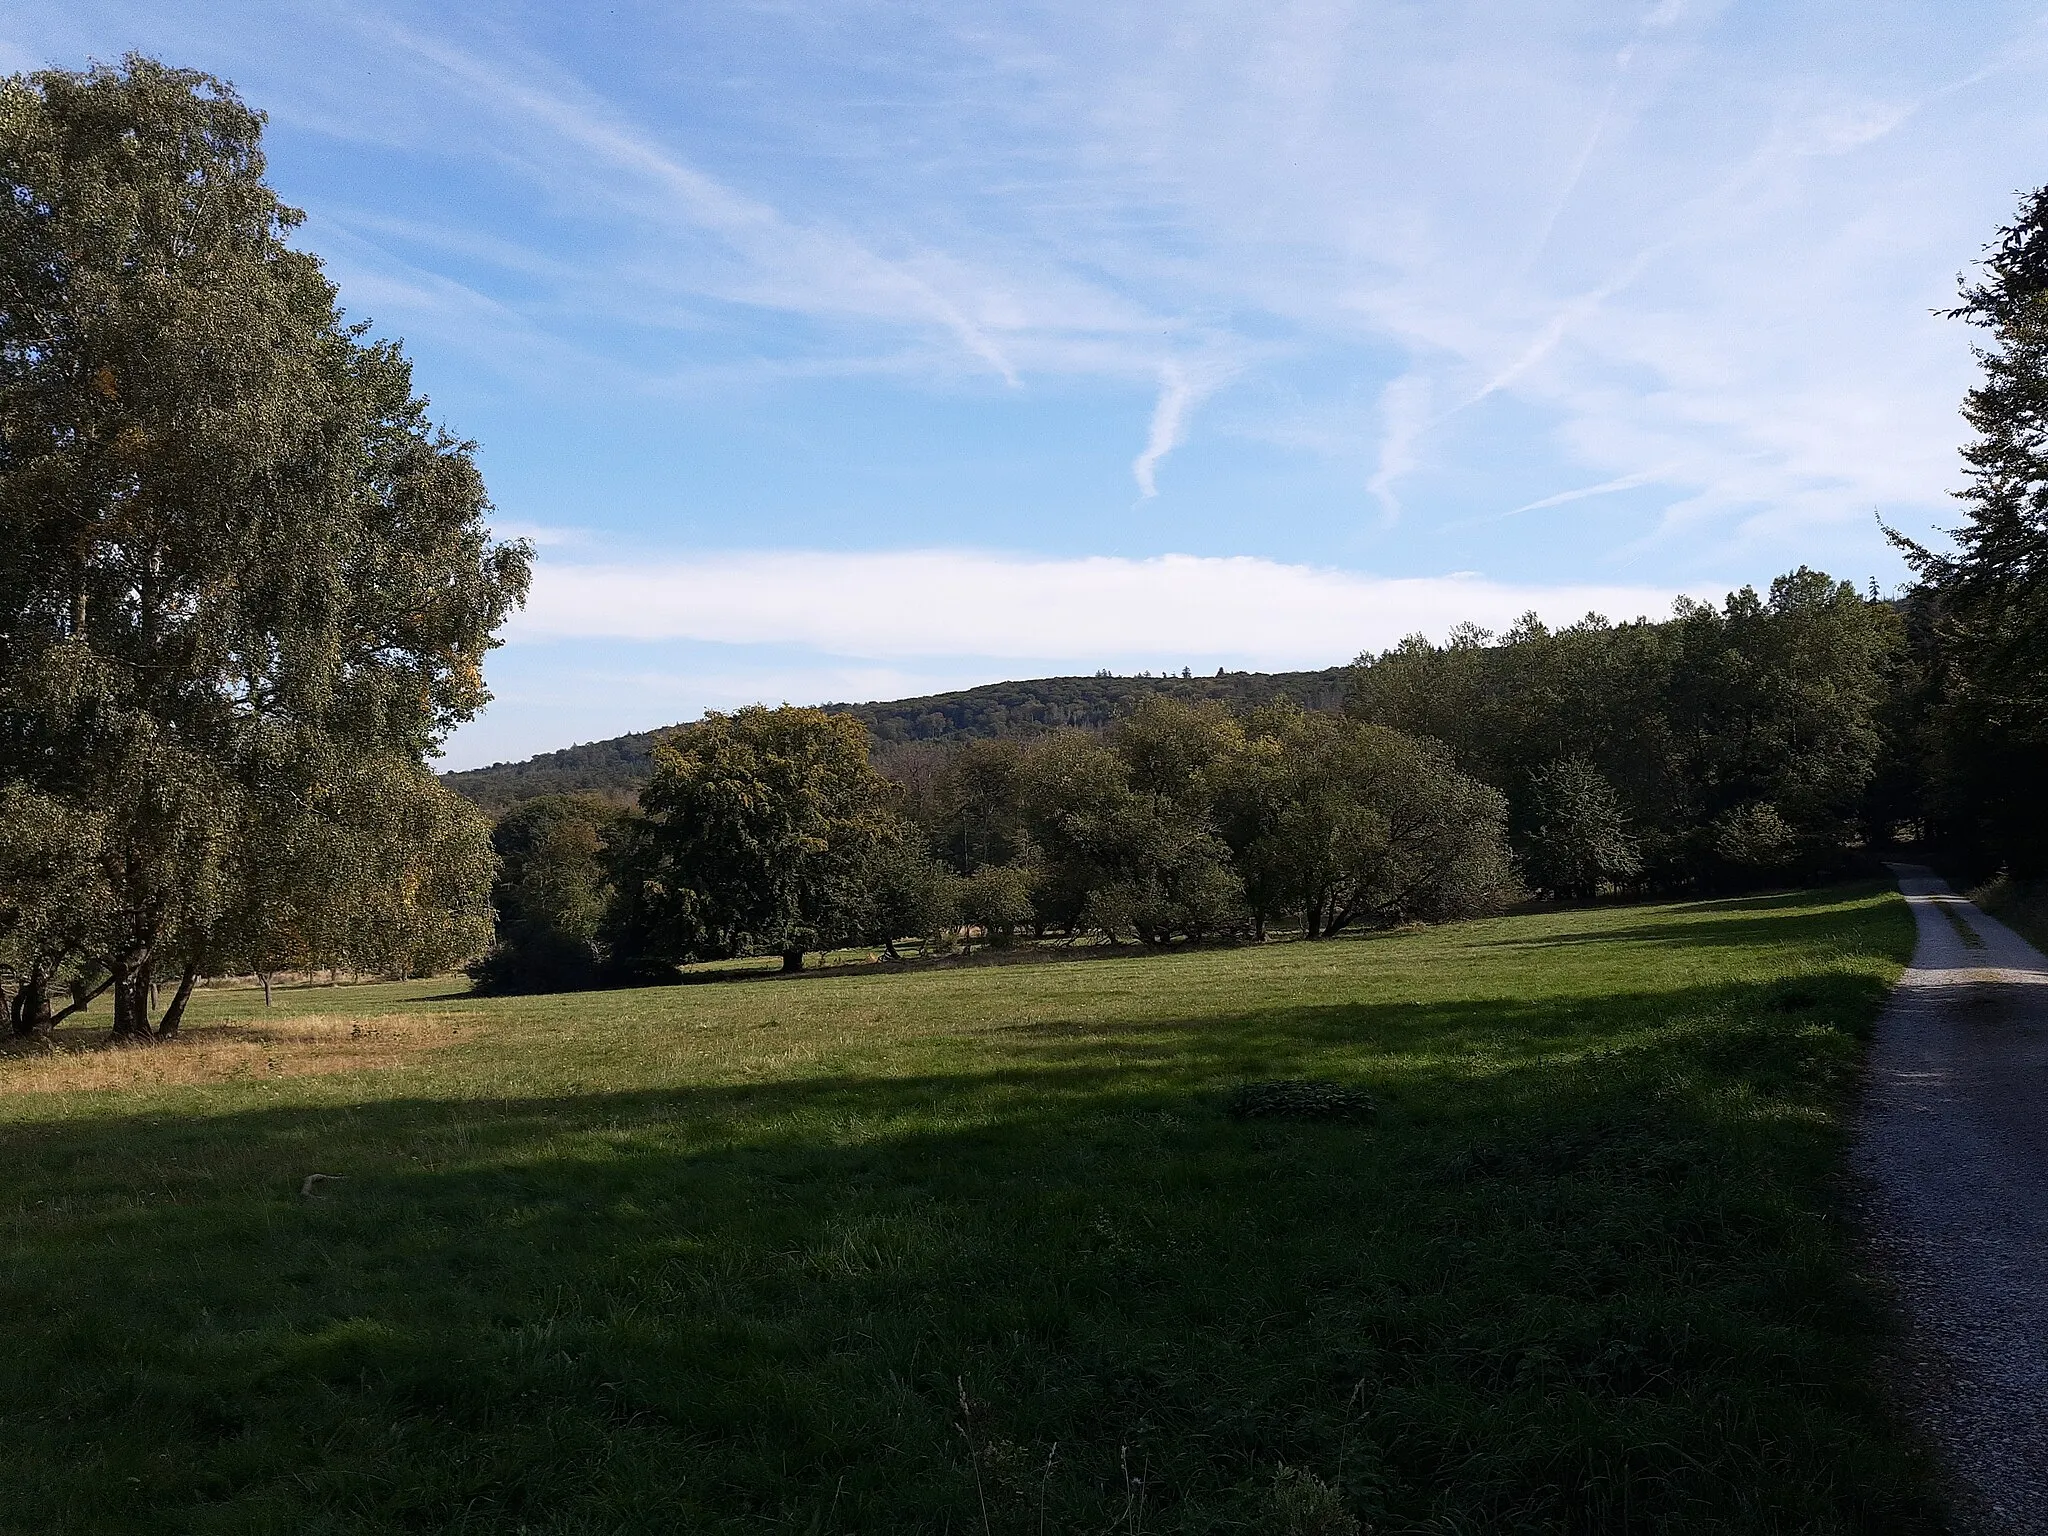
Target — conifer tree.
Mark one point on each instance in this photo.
(1990, 594)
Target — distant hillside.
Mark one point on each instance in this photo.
(617, 768)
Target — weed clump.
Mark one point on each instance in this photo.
(1298, 1099)
(1304, 1505)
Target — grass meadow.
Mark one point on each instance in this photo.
(978, 1250)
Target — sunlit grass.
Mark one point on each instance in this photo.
(726, 1256)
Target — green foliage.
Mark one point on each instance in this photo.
(1187, 822)
(1986, 601)
(1305, 1505)
(1576, 842)
(411, 868)
(240, 570)
(53, 898)
(552, 890)
(1778, 700)
(1117, 856)
(761, 833)
(997, 899)
(1364, 825)
(1010, 711)
(722, 1258)
(910, 893)
(1755, 836)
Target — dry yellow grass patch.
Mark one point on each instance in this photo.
(226, 1053)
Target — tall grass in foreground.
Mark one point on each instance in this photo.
(979, 1250)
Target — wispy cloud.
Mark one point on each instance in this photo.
(1182, 387)
(1168, 420)
(1604, 488)
(1571, 240)
(1404, 418)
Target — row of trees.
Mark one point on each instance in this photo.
(1771, 737)
(770, 831)
(246, 587)
(1758, 739)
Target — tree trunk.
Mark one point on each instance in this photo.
(792, 960)
(31, 1005)
(264, 977)
(175, 1014)
(131, 996)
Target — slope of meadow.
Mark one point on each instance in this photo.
(979, 1249)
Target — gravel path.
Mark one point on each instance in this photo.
(1953, 1147)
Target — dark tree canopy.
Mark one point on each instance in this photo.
(241, 569)
(552, 889)
(1766, 710)
(1986, 600)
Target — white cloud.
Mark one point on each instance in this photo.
(1094, 611)
(1404, 418)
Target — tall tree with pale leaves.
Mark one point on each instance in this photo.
(241, 574)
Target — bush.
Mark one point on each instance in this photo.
(550, 896)
(997, 899)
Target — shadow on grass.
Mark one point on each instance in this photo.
(1789, 919)
(1579, 1275)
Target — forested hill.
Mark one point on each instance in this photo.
(616, 768)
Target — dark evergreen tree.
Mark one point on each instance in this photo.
(1989, 595)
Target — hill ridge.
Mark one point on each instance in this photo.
(618, 765)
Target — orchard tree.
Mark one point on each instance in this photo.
(1375, 828)
(238, 563)
(910, 892)
(1116, 853)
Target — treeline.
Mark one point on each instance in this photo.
(1778, 737)
(770, 831)
(247, 587)
(1757, 739)
(902, 728)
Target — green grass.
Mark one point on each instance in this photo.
(2021, 905)
(726, 1257)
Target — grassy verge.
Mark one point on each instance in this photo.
(979, 1250)
(2021, 905)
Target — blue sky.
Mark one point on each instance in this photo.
(850, 350)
